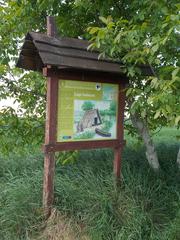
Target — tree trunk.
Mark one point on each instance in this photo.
(143, 131)
(178, 159)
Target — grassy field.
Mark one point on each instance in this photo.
(145, 207)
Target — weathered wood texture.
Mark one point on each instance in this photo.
(40, 50)
(51, 26)
(50, 132)
(120, 132)
(117, 162)
(84, 75)
(78, 145)
(50, 138)
(48, 184)
(121, 108)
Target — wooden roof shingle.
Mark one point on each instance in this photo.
(40, 50)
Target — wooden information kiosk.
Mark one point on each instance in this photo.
(85, 99)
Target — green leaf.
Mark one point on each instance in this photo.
(101, 34)
(143, 114)
(157, 114)
(93, 30)
(155, 48)
(164, 113)
(91, 46)
(101, 56)
(109, 19)
(104, 20)
(175, 72)
(168, 108)
(129, 91)
(177, 119)
(165, 40)
(117, 38)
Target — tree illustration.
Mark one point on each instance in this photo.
(87, 105)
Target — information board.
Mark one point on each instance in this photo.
(86, 111)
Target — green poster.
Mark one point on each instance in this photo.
(86, 111)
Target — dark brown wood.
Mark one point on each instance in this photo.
(79, 63)
(27, 62)
(120, 132)
(50, 134)
(48, 185)
(68, 52)
(66, 146)
(121, 105)
(28, 44)
(64, 51)
(51, 27)
(28, 52)
(93, 76)
(51, 111)
(63, 42)
(50, 138)
(117, 163)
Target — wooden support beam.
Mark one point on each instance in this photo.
(79, 145)
(50, 133)
(50, 139)
(48, 186)
(51, 26)
(120, 133)
(117, 163)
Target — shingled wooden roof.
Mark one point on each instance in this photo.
(40, 50)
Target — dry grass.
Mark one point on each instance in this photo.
(59, 227)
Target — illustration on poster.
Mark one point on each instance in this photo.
(86, 111)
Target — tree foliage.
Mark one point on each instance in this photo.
(150, 37)
(87, 105)
(138, 32)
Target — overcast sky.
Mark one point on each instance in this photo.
(8, 103)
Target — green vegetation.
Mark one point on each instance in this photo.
(20, 197)
(113, 108)
(87, 105)
(146, 206)
(111, 111)
(128, 32)
(85, 135)
(107, 125)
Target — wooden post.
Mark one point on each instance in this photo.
(51, 27)
(117, 163)
(120, 133)
(50, 133)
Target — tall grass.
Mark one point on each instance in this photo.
(145, 207)
(20, 197)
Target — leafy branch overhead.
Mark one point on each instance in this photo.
(134, 33)
(146, 41)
